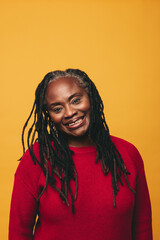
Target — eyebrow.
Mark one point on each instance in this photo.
(72, 96)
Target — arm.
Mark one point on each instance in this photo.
(142, 219)
(24, 205)
(23, 211)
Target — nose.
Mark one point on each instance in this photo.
(69, 112)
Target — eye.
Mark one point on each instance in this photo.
(76, 100)
(57, 110)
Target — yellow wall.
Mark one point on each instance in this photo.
(115, 42)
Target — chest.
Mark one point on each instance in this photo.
(95, 195)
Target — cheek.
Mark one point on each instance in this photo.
(86, 105)
(88, 109)
(55, 118)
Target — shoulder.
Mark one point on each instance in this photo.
(123, 145)
(26, 161)
(27, 171)
(129, 152)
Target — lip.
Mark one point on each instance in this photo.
(76, 125)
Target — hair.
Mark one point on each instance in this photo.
(53, 147)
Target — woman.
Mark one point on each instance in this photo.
(81, 182)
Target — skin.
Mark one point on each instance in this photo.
(69, 107)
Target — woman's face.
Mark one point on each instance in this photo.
(69, 107)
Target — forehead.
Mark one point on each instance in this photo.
(63, 87)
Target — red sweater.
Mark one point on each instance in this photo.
(95, 216)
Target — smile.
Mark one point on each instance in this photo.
(75, 124)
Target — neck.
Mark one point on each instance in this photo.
(82, 141)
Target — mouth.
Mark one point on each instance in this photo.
(75, 123)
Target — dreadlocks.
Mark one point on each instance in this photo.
(53, 147)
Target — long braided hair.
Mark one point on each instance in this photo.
(59, 155)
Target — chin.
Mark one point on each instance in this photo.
(80, 133)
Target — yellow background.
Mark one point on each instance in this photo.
(115, 42)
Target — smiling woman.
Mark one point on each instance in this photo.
(75, 162)
(69, 108)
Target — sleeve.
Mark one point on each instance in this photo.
(23, 211)
(24, 206)
(142, 217)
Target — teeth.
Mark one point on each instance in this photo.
(78, 121)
